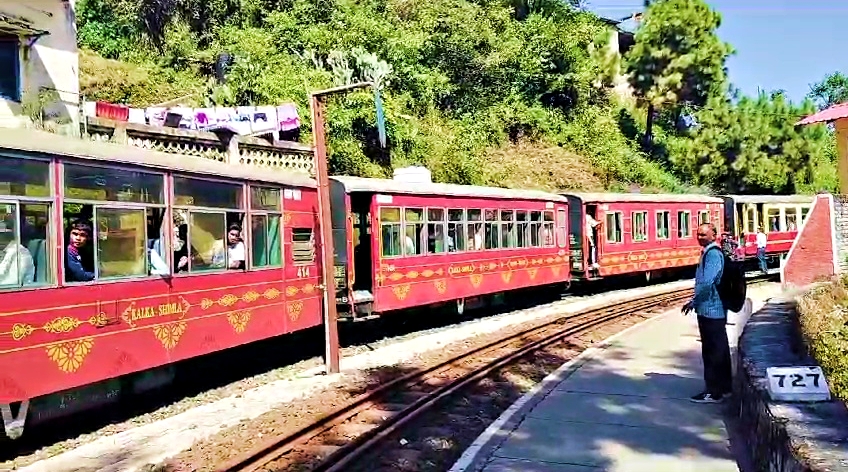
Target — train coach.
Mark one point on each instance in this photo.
(779, 216)
(630, 233)
(181, 257)
(404, 244)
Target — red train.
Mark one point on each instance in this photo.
(184, 257)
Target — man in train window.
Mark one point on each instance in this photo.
(235, 250)
(77, 240)
(591, 226)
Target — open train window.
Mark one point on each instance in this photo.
(548, 229)
(639, 231)
(703, 217)
(492, 238)
(615, 225)
(475, 229)
(415, 233)
(303, 246)
(683, 219)
(508, 237)
(663, 225)
(523, 229)
(456, 230)
(435, 230)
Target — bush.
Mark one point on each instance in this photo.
(824, 325)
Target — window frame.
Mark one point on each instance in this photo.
(52, 235)
(462, 222)
(249, 214)
(109, 204)
(688, 220)
(400, 233)
(619, 216)
(633, 226)
(657, 214)
(244, 211)
(17, 67)
(443, 223)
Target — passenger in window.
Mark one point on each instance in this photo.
(78, 238)
(157, 262)
(235, 250)
(16, 265)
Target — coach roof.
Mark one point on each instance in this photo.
(13, 141)
(363, 184)
(643, 197)
(772, 199)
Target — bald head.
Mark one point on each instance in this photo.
(706, 234)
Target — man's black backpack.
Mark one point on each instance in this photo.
(732, 288)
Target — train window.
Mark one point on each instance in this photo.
(703, 217)
(508, 237)
(113, 220)
(214, 235)
(390, 232)
(24, 178)
(773, 219)
(683, 219)
(265, 217)
(416, 234)
(303, 246)
(615, 227)
(25, 220)
(121, 242)
(491, 229)
(639, 231)
(562, 234)
(522, 230)
(114, 185)
(475, 230)
(535, 228)
(663, 225)
(791, 221)
(435, 230)
(804, 211)
(548, 229)
(206, 193)
(456, 230)
(24, 245)
(265, 199)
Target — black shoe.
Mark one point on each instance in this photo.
(706, 397)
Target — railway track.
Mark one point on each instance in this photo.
(350, 435)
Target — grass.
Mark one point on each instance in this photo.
(824, 325)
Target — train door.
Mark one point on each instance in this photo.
(593, 242)
(360, 210)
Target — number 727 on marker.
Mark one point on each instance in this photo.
(797, 383)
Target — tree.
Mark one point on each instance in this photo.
(678, 59)
(753, 146)
(830, 91)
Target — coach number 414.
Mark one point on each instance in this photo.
(799, 383)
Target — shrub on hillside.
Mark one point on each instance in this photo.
(824, 325)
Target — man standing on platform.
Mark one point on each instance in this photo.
(712, 319)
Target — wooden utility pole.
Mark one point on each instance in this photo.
(331, 329)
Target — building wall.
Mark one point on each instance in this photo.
(52, 62)
(814, 254)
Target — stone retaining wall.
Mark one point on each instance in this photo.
(782, 436)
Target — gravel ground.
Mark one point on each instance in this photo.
(487, 403)
(354, 381)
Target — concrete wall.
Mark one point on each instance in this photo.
(814, 254)
(51, 62)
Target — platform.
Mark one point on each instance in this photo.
(623, 407)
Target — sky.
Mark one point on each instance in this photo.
(779, 44)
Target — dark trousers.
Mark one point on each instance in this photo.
(761, 255)
(715, 351)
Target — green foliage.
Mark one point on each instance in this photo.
(459, 79)
(753, 146)
(678, 57)
(824, 325)
(463, 81)
(830, 91)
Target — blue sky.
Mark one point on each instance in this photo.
(780, 44)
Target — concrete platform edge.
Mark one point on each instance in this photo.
(474, 457)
